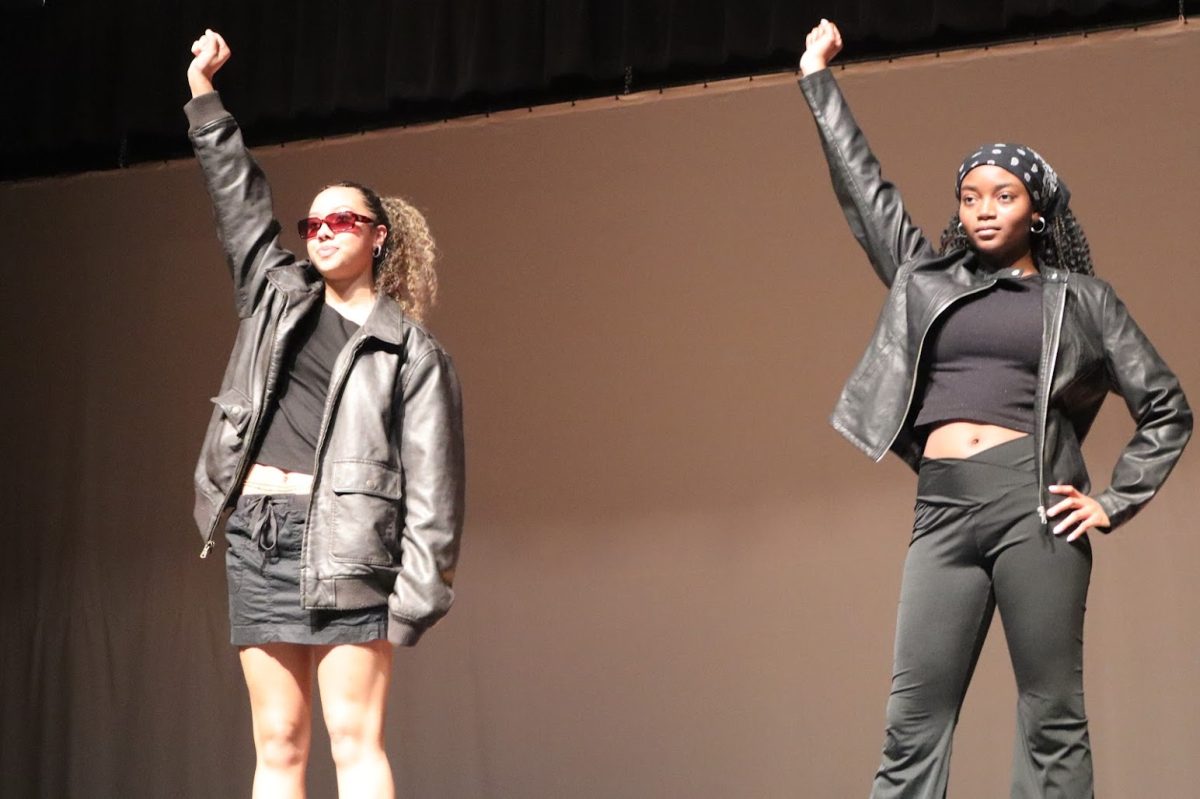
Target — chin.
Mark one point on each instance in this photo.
(326, 268)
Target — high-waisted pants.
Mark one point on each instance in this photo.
(977, 545)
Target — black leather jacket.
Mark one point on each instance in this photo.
(1090, 344)
(386, 509)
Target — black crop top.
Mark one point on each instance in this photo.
(294, 423)
(981, 358)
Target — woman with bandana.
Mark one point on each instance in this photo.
(988, 365)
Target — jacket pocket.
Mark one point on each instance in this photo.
(235, 407)
(366, 511)
(227, 436)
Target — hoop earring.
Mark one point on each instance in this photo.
(1035, 229)
(961, 230)
(377, 251)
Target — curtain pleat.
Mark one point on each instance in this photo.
(100, 84)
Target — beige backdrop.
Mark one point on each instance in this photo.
(677, 580)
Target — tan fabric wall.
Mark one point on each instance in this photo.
(677, 580)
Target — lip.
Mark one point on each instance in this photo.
(326, 250)
(987, 232)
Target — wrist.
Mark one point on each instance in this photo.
(199, 83)
(809, 65)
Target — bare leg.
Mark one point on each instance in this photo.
(279, 678)
(353, 679)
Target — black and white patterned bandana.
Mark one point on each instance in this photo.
(1049, 193)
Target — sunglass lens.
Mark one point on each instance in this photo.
(341, 221)
(308, 227)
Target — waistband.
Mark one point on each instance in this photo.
(264, 479)
(983, 477)
(264, 513)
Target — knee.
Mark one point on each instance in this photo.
(917, 728)
(354, 734)
(1053, 719)
(281, 742)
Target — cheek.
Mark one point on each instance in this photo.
(1020, 219)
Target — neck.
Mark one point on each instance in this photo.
(1023, 261)
(352, 299)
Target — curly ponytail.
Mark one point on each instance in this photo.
(405, 269)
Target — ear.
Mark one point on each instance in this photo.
(381, 234)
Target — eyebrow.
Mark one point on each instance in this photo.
(974, 188)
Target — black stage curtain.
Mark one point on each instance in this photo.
(98, 85)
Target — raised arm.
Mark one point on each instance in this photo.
(872, 205)
(240, 195)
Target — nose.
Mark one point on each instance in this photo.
(986, 209)
(324, 232)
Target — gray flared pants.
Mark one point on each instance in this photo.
(977, 545)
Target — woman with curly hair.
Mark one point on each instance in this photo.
(337, 442)
(988, 365)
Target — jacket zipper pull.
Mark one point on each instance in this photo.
(208, 545)
(1041, 515)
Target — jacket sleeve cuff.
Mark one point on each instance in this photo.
(1117, 512)
(204, 109)
(816, 84)
(401, 632)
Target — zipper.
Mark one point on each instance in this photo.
(1049, 362)
(239, 473)
(335, 394)
(912, 387)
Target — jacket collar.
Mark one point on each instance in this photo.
(386, 321)
(296, 280)
(1050, 275)
(300, 280)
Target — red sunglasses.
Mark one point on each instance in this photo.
(338, 221)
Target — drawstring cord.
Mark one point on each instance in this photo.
(265, 532)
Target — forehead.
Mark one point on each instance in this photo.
(338, 198)
(987, 177)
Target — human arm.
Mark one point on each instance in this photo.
(241, 197)
(872, 205)
(1163, 426)
(432, 458)
(1158, 406)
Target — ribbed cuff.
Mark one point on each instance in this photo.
(204, 109)
(402, 633)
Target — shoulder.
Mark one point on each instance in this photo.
(419, 341)
(1089, 284)
(421, 347)
(1089, 291)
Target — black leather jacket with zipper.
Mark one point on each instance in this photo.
(1090, 343)
(386, 508)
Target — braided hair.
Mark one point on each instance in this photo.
(404, 267)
